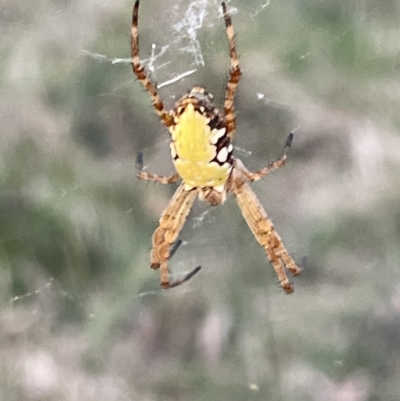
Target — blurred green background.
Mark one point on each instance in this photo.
(82, 316)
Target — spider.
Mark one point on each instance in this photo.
(202, 153)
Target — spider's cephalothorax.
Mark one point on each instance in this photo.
(201, 150)
(200, 147)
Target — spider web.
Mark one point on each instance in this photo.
(81, 314)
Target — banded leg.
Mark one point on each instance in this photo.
(271, 167)
(264, 231)
(143, 175)
(138, 70)
(166, 234)
(233, 78)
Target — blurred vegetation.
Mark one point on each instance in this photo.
(82, 316)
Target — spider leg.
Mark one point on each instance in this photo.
(263, 230)
(271, 167)
(185, 278)
(174, 248)
(166, 234)
(138, 70)
(143, 175)
(234, 76)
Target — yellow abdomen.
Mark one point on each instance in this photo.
(194, 150)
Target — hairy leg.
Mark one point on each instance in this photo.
(139, 71)
(143, 175)
(264, 230)
(166, 234)
(234, 76)
(255, 176)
